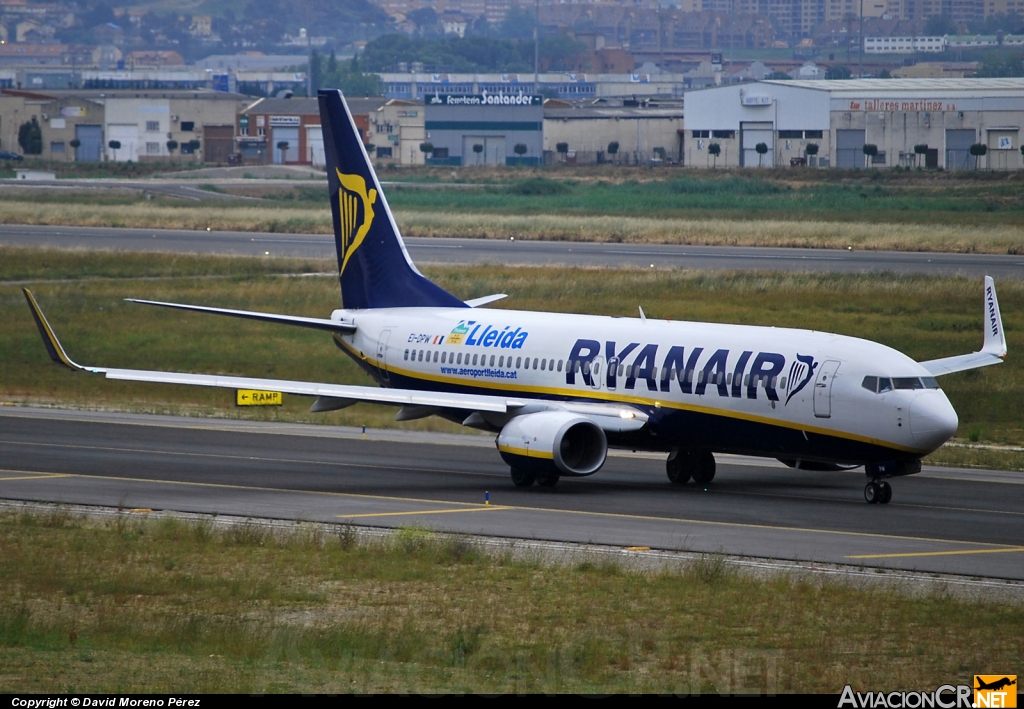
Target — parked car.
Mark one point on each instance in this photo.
(8, 155)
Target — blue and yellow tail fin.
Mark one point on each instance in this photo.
(374, 267)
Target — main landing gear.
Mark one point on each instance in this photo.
(878, 492)
(688, 464)
(526, 478)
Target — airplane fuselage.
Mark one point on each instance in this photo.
(778, 392)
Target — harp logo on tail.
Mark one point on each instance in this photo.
(355, 204)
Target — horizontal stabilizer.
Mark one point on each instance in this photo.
(314, 323)
(477, 302)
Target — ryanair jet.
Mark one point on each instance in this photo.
(560, 390)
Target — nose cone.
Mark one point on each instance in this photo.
(932, 419)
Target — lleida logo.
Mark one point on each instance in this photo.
(458, 334)
(355, 207)
(995, 691)
(472, 334)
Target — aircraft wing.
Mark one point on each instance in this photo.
(993, 347)
(609, 416)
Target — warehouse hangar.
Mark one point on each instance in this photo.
(485, 128)
(903, 122)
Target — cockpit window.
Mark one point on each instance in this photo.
(880, 385)
(907, 383)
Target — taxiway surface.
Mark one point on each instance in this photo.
(520, 252)
(940, 521)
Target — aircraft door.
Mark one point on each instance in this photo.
(823, 389)
(382, 354)
(612, 376)
(596, 372)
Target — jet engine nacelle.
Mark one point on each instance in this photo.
(557, 442)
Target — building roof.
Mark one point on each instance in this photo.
(310, 106)
(100, 94)
(903, 86)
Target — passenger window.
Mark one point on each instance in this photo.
(534, 362)
(492, 360)
(559, 365)
(622, 368)
(407, 355)
(597, 368)
(475, 359)
(543, 365)
(519, 362)
(884, 385)
(870, 383)
(551, 365)
(782, 383)
(526, 364)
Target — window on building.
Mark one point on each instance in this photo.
(383, 152)
(723, 134)
(57, 146)
(152, 126)
(189, 126)
(813, 134)
(152, 148)
(791, 134)
(440, 153)
(186, 148)
(701, 134)
(878, 158)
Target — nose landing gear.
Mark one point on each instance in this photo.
(878, 492)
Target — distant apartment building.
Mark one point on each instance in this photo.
(903, 45)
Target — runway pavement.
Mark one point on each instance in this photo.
(475, 251)
(940, 521)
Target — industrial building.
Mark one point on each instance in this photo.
(485, 129)
(144, 124)
(904, 122)
(645, 132)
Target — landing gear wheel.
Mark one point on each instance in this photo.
(886, 493)
(522, 478)
(677, 467)
(703, 466)
(873, 492)
(548, 480)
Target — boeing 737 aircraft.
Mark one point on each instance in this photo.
(559, 390)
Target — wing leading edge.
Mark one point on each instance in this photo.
(993, 348)
(608, 416)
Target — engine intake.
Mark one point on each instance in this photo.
(554, 442)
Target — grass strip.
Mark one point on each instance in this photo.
(133, 605)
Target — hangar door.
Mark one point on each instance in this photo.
(315, 146)
(289, 136)
(849, 149)
(493, 152)
(91, 139)
(218, 143)
(751, 134)
(958, 150)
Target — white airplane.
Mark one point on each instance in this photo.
(559, 390)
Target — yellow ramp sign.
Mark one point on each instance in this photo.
(255, 397)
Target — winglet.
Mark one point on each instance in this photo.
(53, 346)
(995, 338)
